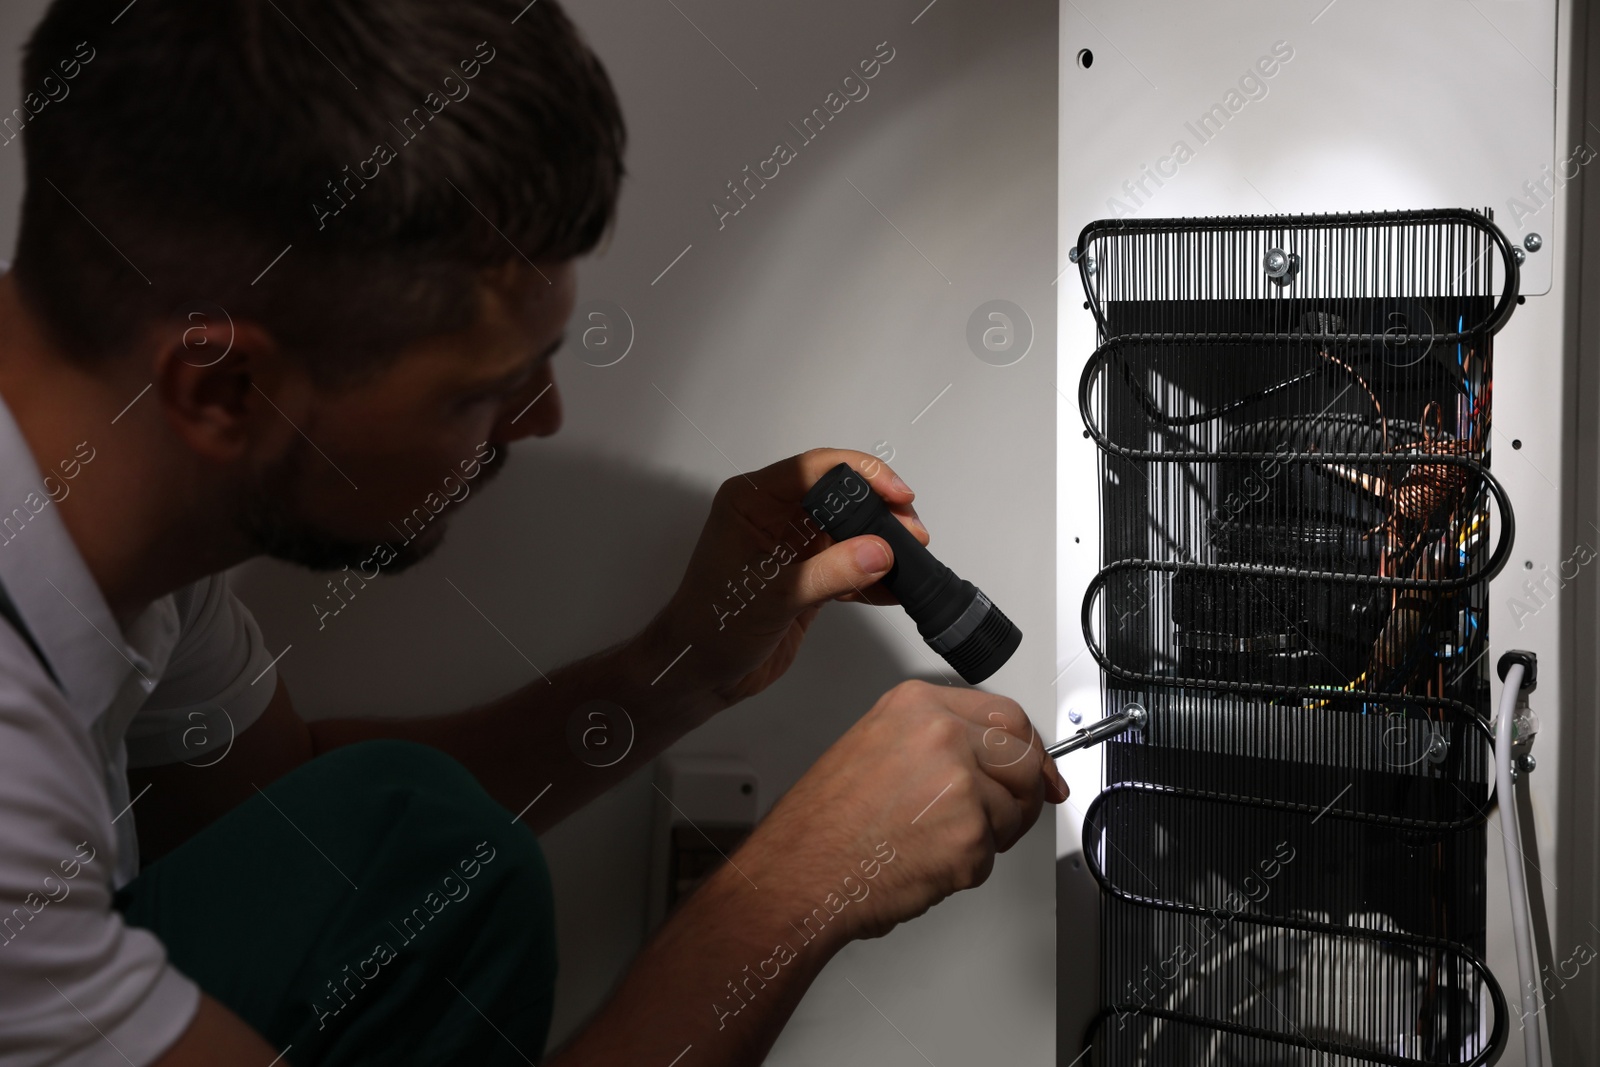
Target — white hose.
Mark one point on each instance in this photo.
(1516, 877)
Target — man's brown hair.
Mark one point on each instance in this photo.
(394, 148)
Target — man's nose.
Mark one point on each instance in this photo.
(534, 412)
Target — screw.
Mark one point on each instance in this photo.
(1137, 715)
(1072, 255)
(1533, 242)
(1438, 748)
(1527, 763)
(1074, 716)
(1277, 263)
(1519, 255)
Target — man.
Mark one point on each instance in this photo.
(283, 266)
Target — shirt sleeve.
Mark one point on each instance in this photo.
(78, 986)
(217, 683)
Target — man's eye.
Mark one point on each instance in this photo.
(501, 392)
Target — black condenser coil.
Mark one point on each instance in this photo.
(1293, 421)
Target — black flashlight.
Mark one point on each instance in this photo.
(952, 614)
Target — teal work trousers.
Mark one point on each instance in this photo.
(372, 906)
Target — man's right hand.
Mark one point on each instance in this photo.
(946, 777)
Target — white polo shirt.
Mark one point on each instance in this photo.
(79, 987)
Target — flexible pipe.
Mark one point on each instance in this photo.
(1516, 876)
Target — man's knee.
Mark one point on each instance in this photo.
(436, 881)
(393, 776)
(390, 764)
(433, 837)
(424, 804)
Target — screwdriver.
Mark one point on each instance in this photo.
(1130, 718)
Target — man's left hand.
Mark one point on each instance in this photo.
(762, 570)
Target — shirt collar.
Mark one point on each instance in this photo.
(57, 596)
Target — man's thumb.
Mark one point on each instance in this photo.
(872, 555)
(848, 567)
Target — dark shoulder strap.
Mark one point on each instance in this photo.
(14, 617)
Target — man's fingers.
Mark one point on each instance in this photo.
(1012, 762)
(1010, 813)
(1010, 748)
(1008, 817)
(1056, 786)
(789, 479)
(848, 567)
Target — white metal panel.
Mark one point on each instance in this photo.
(1368, 106)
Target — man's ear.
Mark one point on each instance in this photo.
(210, 371)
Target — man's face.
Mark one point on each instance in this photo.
(379, 467)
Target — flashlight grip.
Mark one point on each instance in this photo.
(843, 504)
(952, 615)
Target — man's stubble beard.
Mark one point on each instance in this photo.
(270, 521)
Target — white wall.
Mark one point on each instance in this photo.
(809, 320)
